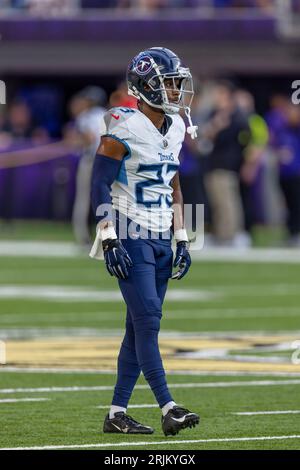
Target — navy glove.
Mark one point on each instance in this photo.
(116, 258)
(182, 259)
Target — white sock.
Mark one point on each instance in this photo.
(168, 406)
(115, 409)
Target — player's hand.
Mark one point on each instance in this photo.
(116, 258)
(182, 260)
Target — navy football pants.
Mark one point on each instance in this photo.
(144, 293)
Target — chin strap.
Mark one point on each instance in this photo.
(191, 129)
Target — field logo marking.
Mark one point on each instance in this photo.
(97, 388)
(296, 354)
(260, 352)
(2, 352)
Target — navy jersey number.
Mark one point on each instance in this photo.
(157, 180)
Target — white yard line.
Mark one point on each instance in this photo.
(153, 405)
(17, 400)
(55, 370)
(59, 293)
(252, 255)
(72, 294)
(249, 383)
(253, 413)
(40, 249)
(157, 443)
(50, 249)
(242, 413)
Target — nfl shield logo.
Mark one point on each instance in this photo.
(165, 143)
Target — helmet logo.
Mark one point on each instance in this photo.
(143, 65)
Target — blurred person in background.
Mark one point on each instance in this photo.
(44, 7)
(4, 137)
(223, 3)
(17, 130)
(152, 5)
(227, 130)
(86, 108)
(120, 98)
(267, 5)
(191, 157)
(261, 4)
(143, 5)
(18, 126)
(65, 7)
(252, 167)
(276, 117)
(285, 132)
(99, 4)
(53, 7)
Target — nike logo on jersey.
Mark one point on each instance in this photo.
(181, 420)
(115, 116)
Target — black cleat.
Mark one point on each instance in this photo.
(178, 418)
(124, 424)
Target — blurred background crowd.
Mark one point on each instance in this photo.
(65, 7)
(244, 166)
(148, 5)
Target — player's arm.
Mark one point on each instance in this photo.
(182, 258)
(106, 167)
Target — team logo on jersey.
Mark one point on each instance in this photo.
(143, 65)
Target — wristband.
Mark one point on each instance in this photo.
(180, 235)
(108, 232)
(101, 235)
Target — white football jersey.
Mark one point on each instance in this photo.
(142, 190)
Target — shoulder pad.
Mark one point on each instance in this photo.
(115, 122)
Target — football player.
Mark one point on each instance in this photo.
(135, 177)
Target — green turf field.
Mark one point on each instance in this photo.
(71, 418)
(226, 336)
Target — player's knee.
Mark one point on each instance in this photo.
(151, 307)
(150, 323)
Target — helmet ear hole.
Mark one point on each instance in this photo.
(146, 87)
(142, 85)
